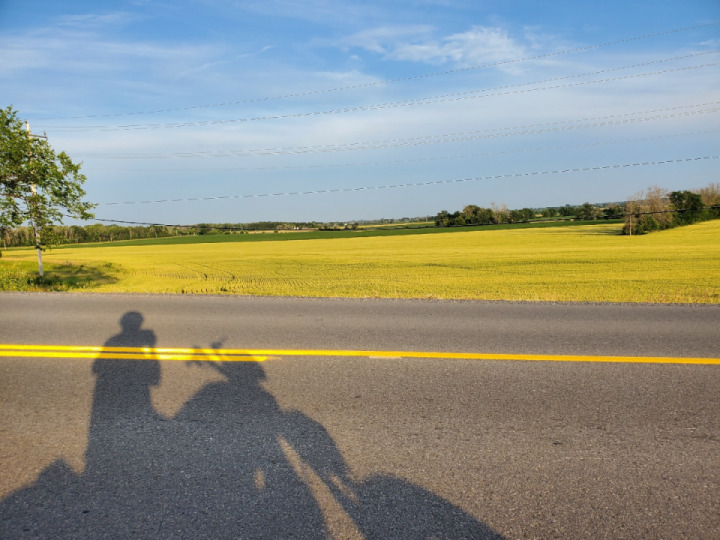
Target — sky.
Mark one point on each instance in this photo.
(232, 111)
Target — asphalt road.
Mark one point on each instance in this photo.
(383, 447)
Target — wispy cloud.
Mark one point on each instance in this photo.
(385, 40)
(476, 46)
(288, 65)
(95, 21)
(76, 56)
(418, 43)
(68, 52)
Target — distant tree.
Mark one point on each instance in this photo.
(549, 212)
(442, 219)
(587, 212)
(711, 199)
(613, 211)
(648, 211)
(78, 234)
(500, 212)
(36, 184)
(658, 209)
(470, 213)
(515, 216)
(475, 215)
(457, 219)
(689, 206)
(486, 216)
(711, 194)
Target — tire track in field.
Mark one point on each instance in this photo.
(226, 281)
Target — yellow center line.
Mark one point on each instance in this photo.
(129, 353)
(260, 355)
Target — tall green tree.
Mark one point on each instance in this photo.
(689, 205)
(37, 185)
(442, 219)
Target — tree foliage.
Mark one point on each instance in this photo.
(689, 205)
(657, 209)
(475, 215)
(36, 184)
(613, 211)
(567, 211)
(711, 195)
(587, 212)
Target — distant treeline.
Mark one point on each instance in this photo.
(476, 215)
(81, 234)
(77, 234)
(651, 210)
(657, 208)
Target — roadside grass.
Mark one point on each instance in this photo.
(68, 276)
(569, 263)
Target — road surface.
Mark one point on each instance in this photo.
(118, 441)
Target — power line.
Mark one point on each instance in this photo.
(241, 228)
(545, 127)
(443, 157)
(456, 96)
(391, 81)
(143, 223)
(419, 184)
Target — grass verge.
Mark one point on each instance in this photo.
(68, 276)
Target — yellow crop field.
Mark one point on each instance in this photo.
(577, 263)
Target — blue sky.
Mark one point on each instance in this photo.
(237, 111)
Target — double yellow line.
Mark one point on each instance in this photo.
(131, 353)
(260, 355)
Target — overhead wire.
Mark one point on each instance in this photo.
(450, 97)
(563, 125)
(419, 184)
(444, 98)
(427, 158)
(390, 81)
(210, 226)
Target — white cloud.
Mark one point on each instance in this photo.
(70, 69)
(88, 65)
(711, 43)
(477, 46)
(417, 43)
(82, 44)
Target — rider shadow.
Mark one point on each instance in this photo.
(230, 463)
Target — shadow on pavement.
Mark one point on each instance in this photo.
(230, 464)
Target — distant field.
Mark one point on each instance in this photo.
(568, 263)
(363, 232)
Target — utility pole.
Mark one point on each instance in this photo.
(34, 218)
